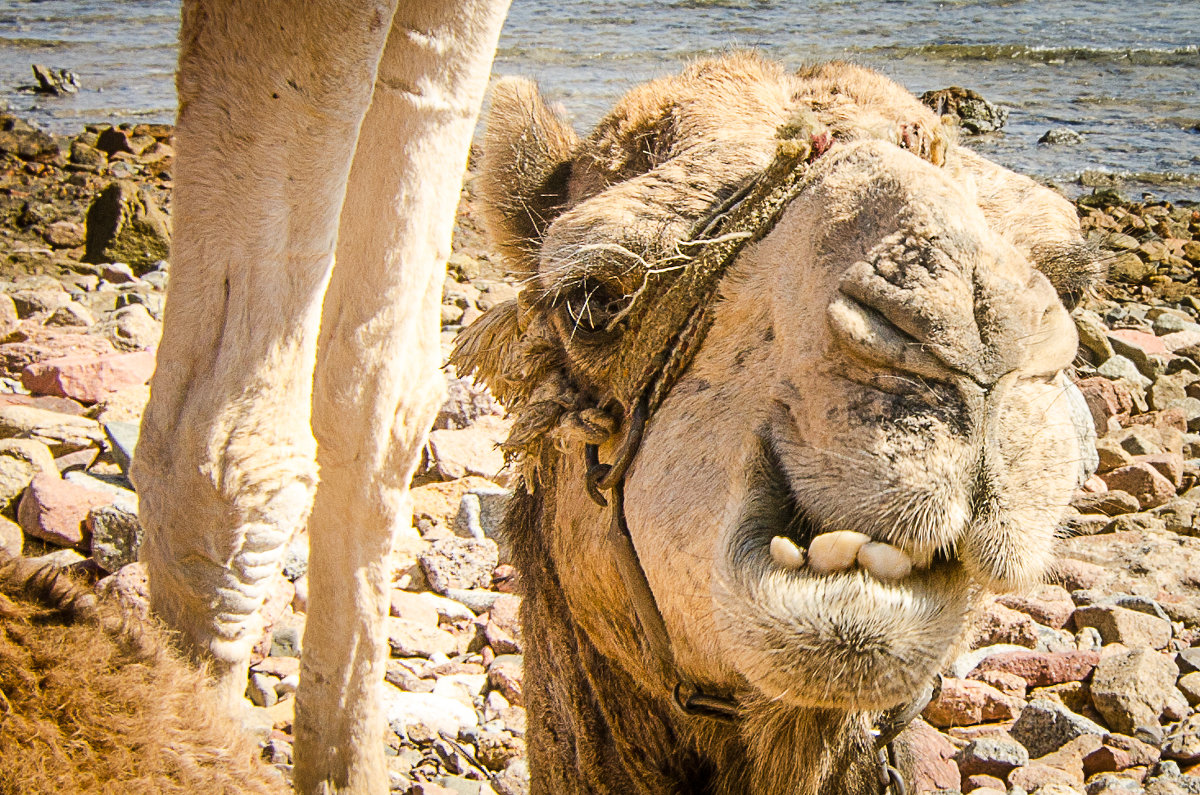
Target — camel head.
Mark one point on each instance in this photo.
(849, 338)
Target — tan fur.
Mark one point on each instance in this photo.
(886, 359)
(93, 701)
(290, 390)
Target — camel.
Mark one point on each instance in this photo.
(789, 378)
(304, 130)
(95, 700)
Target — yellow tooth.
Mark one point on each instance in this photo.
(836, 551)
(884, 561)
(785, 552)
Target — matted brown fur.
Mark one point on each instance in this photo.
(92, 700)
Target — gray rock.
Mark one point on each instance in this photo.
(460, 604)
(1189, 660)
(55, 81)
(466, 401)
(1093, 334)
(469, 451)
(12, 537)
(992, 756)
(1121, 625)
(454, 562)
(116, 537)
(286, 641)
(1112, 784)
(475, 600)
(1132, 688)
(1182, 742)
(1060, 136)
(1168, 390)
(131, 328)
(295, 558)
(1120, 366)
(123, 439)
(1169, 323)
(20, 460)
(261, 690)
(430, 715)
(974, 113)
(62, 433)
(1044, 726)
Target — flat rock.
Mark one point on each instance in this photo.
(505, 674)
(20, 460)
(965, 702)
(55, 510)
(933, 753)
(997, 623)
(405, 711)
(1131, 689)
(1144, 482)
(88, 379)
(62, 433)
(124, 224)
(1040, 668)
(409, 638)
(470, 451)
(1050, 605)
(1121, 625)
(996, 755)
(1045, 726)
(459, 563)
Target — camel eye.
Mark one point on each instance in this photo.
(591, 306)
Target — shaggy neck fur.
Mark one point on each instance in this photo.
(595, 727)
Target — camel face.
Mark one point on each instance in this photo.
(877, 418)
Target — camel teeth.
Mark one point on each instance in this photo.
(884, 561)
(785, 552)
(836, 551)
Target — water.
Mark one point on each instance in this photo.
(1126, 76)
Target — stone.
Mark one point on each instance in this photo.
(125, 405)
(1006, 683)
(64, 234)
(497, 749)
(933, 758)
(36, 303)
(71, 315)
(1140, 753)
(425, 712)
(1121, 367)
(1189, 685)
(1093, 336)
(1045, 726)
(463, 688)
(1121, 625)
(1060, 136)
(409, 638)
(1169, 465)
(459, 604)
(1182, 742)
(122, 438)
(278, 667)
(62, 433)
(261, 690)
(55, 510)
(125, 225)
(965, 702)
(459, 563)
(1075, 696)
(1106, 759)
(470, 451)
(20, 460)
(9, 319)
(466, 401)
(116, 536)
(130, 586)
(1112, 455)
(999, 624)
(505, 675)
(1040, 668)
(1050, 605)
(1110, 503)
(1169, 389)
(1132, 688)
(1037, 777)
(1144, 482)
(412, 607)
(132, 328)
(1189, 660)
(996, 755)
(88, 379)
(12, 538)
(974, 113)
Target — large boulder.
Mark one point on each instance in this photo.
(124, 224)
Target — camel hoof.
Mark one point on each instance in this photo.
(836, 551)
(785, 552)
(884, 561)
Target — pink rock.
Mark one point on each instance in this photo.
(1006, 683)
(1105, 399)
(933, 758)
(1049, 605)
(965, 702)
(1000, 624)
(1036, 774)
(281, 667)
(1149, 343)
(410, 606)
(54, 510)
(1169, 465)
(1144, 482)
(1077, 575)
(1041, 668)
(130, 586)
(89, 378)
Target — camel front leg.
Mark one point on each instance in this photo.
(271, 97)
(377, 385)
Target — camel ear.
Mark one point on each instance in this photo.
(526, 165)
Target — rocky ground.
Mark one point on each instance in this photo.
(1088, 684)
